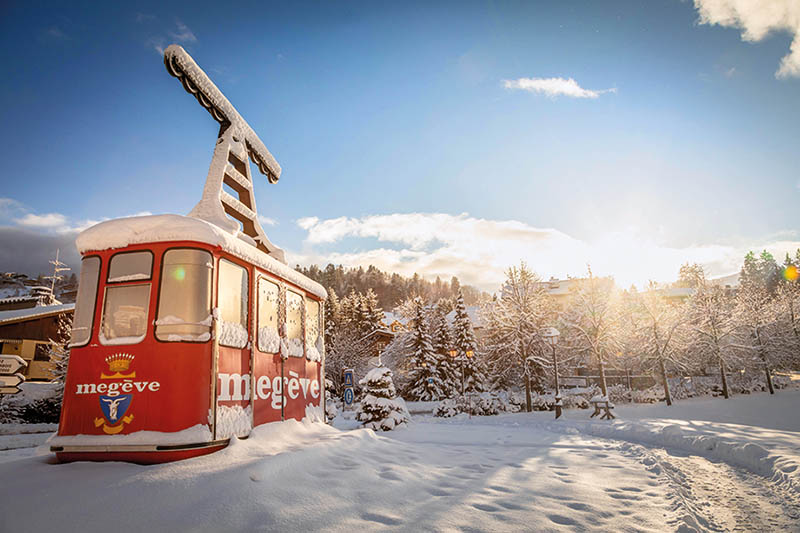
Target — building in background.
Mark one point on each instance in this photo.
(28, 325)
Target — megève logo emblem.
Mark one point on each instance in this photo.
(118, 365)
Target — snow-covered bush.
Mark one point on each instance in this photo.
(447, 408)
(484, 404)
(331, 407)
(381, 408)
(619, 394)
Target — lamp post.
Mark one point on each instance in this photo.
(454, 353)
(551, 336)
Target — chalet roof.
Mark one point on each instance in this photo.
(389, 318)
(22, 315)
(474, 314)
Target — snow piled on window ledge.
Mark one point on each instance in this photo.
(268, 340)
(232, 334)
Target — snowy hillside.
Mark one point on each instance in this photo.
(695, 470)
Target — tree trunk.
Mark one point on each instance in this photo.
(603, 386)
(528, 393)
(724, 376)
(667, 394)
(766, 364)
(769, 378)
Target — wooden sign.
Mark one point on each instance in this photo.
(11, 381)
(9, 364)
(9, 390)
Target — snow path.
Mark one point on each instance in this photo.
(485, 474)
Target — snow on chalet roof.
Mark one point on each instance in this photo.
(389, 318)
(18, 315)
(474, 314)
(124, 232)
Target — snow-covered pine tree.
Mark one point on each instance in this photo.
(425, 383)
(59, 355)
(373, 314)
(331, 317)
(348, 310)
(473, 377)
(442, 342)
(381, 408)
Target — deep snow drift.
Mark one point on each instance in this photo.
(503, 473)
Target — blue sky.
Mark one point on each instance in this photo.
(408, 135)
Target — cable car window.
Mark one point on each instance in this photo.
(184, 302)
(232, 305)
(86, 300)
(294, 323)
(130, 266)
(313, 346)
(125, 314)
(268, 298)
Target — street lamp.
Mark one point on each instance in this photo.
(454, 354)
(551, 336)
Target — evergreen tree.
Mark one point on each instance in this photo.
(380, 408)
(473, 378)
(331, 317)
(373, 314)
(442, 342)
(425, 383)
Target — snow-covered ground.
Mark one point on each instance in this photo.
(705, 464)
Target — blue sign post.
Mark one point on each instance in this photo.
(348, 381)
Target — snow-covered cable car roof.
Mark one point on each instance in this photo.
(196, 82)
(124, 232)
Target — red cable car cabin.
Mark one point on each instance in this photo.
(184, 336)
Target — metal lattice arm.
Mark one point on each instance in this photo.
(181, 65)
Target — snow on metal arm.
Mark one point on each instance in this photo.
(196, 82)
(234, 209)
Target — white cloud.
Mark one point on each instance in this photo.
(184, 34)
(479, 250)
(758, 19)
(553, 87)
(50, 220)
(307, 222)
(267, 221)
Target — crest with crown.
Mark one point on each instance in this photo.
(117, 364)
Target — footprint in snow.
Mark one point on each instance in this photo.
(578, 506)
(382, 519)
(486, 507)
(511, 505)
(563, 520)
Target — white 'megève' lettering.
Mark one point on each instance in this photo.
(236, 387)
(240, 384)
(115, 387)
